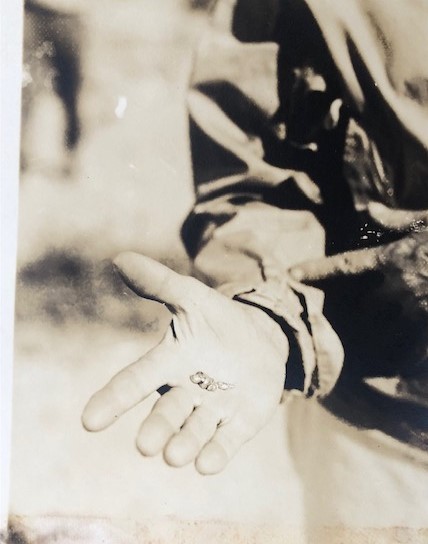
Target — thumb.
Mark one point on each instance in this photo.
(345, 264)
(151, 279)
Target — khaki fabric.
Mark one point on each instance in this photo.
(298, 123)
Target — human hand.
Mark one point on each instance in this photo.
(412, 250)
(234, 343)
(403, 263)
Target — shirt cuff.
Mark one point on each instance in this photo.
(298, 310)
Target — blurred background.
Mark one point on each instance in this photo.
(104, 153)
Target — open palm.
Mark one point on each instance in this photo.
(238, 346)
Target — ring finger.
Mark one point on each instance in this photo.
(166, 418)
(196, 432)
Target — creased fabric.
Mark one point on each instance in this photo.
(295, 129)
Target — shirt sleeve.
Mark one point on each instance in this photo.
(255, 217)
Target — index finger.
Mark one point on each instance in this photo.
(344, 264)
(126, 389)
(397, 219)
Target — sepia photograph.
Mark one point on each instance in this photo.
(220, 273)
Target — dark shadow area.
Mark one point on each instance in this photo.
(16, 536)
(53, 42)
(370, 408)
(63, 286)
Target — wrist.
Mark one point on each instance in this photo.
(265, 321)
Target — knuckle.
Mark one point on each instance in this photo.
(124, 386)
(244, 429)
